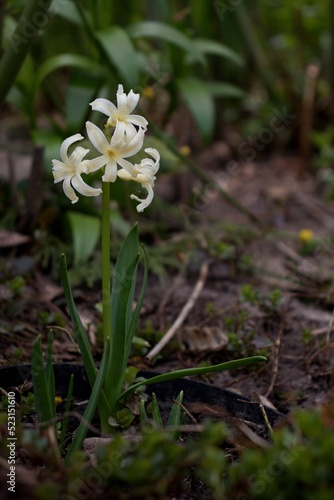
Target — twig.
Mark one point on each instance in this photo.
(183, 314)
(275, 362)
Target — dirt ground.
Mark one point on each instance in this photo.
(295, 334)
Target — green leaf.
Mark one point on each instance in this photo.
(121, 53)
(200, 103)
(166, 33)
(131, 327)
(142, 413)
(63, 60)
(121, 312)
(207, 46)
(92, 403)
(220, 89)
(50, 377)
(66, 10)
(175, 415)
(86, 231)
(67, 411)
(45, 410)
(187, 372)
(156, 412)
(80, 91)
(82, 338)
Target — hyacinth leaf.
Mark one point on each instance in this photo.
(66, 10)
(188, 372)
(200, 104)
(81, 431)
(166, 33)
(68, 60)
(121, 53)
(227, 90)
(86, 230)
(142, 413)
(211, 47)
(122, 326)
(82, 339)
(45, 409)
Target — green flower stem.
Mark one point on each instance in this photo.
(106, 271)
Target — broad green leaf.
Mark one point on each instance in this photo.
(119, 357)
(81, 432)
(121, 53)
(45, 409)
(62, 60)
(200, 103)
(66, 10)
(86, 231)
(207, 46)
(123, 286)
(188, 372)
(228, 90)
(80, 92)
(166, 33)
(132, 324)
(82, 338)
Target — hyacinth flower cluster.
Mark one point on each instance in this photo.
(127, 138)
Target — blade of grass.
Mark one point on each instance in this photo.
(45, 410)
(142, 414)
(156, 412)
(187, 372)
(66, 412)
(175, 413)
(50, 376)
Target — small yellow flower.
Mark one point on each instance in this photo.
(185, 150)
(148, 92)
(58, 400)
(305, 235)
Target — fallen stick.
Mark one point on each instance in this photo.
(183, 314)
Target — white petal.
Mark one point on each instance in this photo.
(124, 175)
(77, 156)
(69, 191)
(144, 203)
(132, 101)
(138, 120)
(66, 144)
(110, 173)
(97, 137)
(118, 137)
(134, 145)
(126, 165)
(121, 100)
(84, 188)
(95, 164)
(104, 106)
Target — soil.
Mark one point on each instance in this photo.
(295, 335)
(263, 252)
